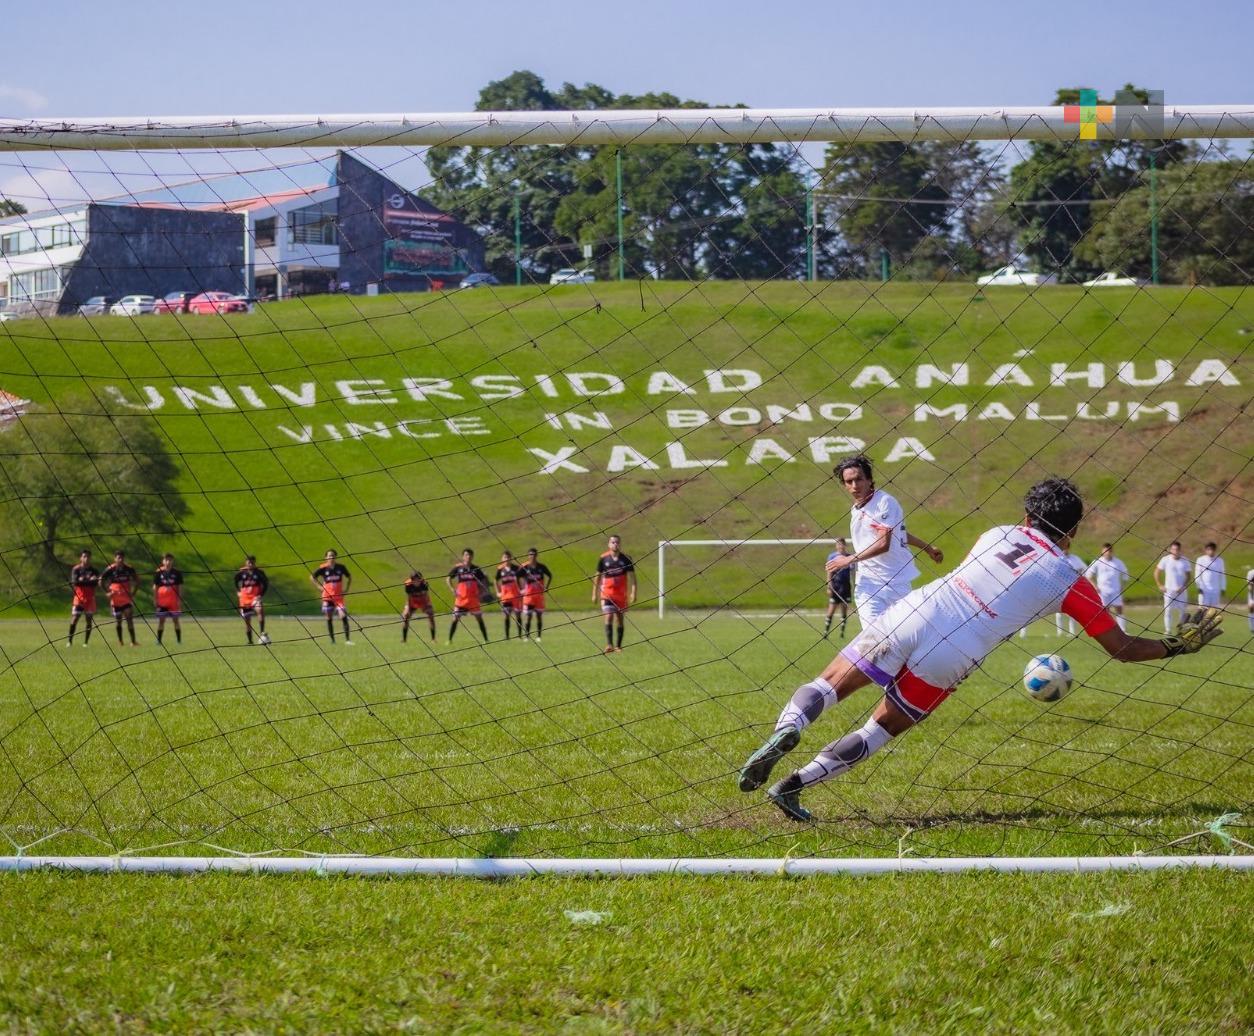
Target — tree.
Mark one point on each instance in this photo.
(79, 475)
(715, 209)
(11, 208)
(1205, 214)
(1058, 191)
(881, 197)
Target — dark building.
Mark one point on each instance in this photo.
(391, 238)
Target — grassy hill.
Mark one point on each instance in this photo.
(395, 473)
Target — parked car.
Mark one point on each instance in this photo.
(133, 306)
(173, 302)
(216, 302)
(96, 306)
(1111, 280)
(569, 276)
(1011, 276)
(478, 280)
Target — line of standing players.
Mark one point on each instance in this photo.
(520, 589)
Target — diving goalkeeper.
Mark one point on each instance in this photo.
(929, 641)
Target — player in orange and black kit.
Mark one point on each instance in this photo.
(417, 599)
(536, 579)
(251, 584)
(83, 581)
(615, 587)
(167, 595)
(334, 580)
(466, 581)
(120, 582)
(509, 591)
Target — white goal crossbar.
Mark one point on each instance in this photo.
(663, 544)
(366, 866)
(619, 126)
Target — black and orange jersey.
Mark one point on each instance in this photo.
(535, 577)
(119, 575)
(417, 590)
(254, 581)
(468, 579)
(613, 572)
(508, 583)
(84, 576)
(165, 577)
(331, 577)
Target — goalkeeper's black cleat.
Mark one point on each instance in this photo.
(758, 766)
(786, 794)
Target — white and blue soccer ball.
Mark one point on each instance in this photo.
(1047, 677)
(264, 640)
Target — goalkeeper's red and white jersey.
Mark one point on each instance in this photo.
(1011, 577)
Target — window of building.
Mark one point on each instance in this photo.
(264, 232)
(313, 225)
(37, 284)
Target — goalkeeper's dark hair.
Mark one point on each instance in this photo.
(1054, 507)
(858, 461)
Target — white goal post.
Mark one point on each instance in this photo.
(613, 126)
(663, 544)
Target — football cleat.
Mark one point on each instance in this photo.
(786, 794)
(758, 766)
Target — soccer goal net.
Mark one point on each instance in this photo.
(380, 490)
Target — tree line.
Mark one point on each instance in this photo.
(927, 211)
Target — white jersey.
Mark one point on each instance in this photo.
(1109, 574)
(1175, 573)
(940, 632)
(895, 567)
(1249, 586)
(1210, 575)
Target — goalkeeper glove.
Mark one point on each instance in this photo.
(1196, 631)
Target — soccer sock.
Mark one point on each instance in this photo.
(845, 754)
(540, 624)
(1251, 625)
(178, 633)
(160, 633)
(130, 628)
(331, 629)
(431, 623)
(249, 630)
(827, 626)
(261, 624)
(73, 624)
(807, 704)
(483, 628)
(844, 619)
(452, 629)
(507, 627)
(529, 624)
(404, 631)
(620, 634)
(119, 631)
(609, 634)
(346, 636)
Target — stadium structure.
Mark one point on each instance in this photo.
(361, 233)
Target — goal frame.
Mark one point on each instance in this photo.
(753, 542)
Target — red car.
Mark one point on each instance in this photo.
(216, 302)
(174, 302)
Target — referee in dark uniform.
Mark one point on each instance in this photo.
(839, 590)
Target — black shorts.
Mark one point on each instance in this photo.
(838, 595)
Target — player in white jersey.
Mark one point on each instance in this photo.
(1108, 573)
(1172, 576)
(1210, 576)
(1249, 596)
(881, 544)
(1078, 567)
(926, 643)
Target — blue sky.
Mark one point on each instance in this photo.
(137, 58)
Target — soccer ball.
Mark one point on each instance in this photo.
(1047, 677)
(264, 641)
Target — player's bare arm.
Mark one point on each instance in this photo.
(631, 586)
(880, 546)
(935, 553)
